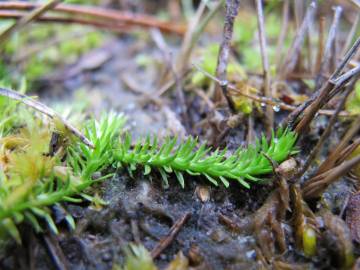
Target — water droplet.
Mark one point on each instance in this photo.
(223, 83)
(276, 108)
(262, 104)
(276, 140)
(251, 254)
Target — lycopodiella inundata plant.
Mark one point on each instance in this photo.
(32, 180)
(244, 165)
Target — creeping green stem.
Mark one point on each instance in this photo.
(243, 165)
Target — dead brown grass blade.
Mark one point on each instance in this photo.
(265, 65)
(293, 53)
(327, 91)
(314, 187)
(330, 43)
(102, 15)
(327, 131)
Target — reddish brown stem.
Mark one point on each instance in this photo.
(27, 18)
(102, 14)
(114, 27)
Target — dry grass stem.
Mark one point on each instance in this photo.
(265, 65)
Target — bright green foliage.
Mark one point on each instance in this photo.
(31, 181)
(244, 165)
(86, 161)
(28, 182)
(9, 118)
(75, 41)
(353, 102)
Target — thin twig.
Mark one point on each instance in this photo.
(250, 136)
(44, 110)
(315, 186)
(33, 15)
(232, 9)
(166, 241)
(335, 155)
(355, 3)
(55, 251)
(313, 105)
(264, 100)
(292, 56)
(189, 41)
(326, 133)
(180, 97)
(351, 34)
(320, 50)
(351, 52)
(283, 32)
(192, 36)
(245, 225)
(117, 27)
(334, 54)
(161, 43)
(298, 9)
(298, 6)
(309, 54)
(321, 97)
(194, 32)
(325, 63)
(265, 64)
(346, 76)
(102, 14)
(170, 83)
(347, 151)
